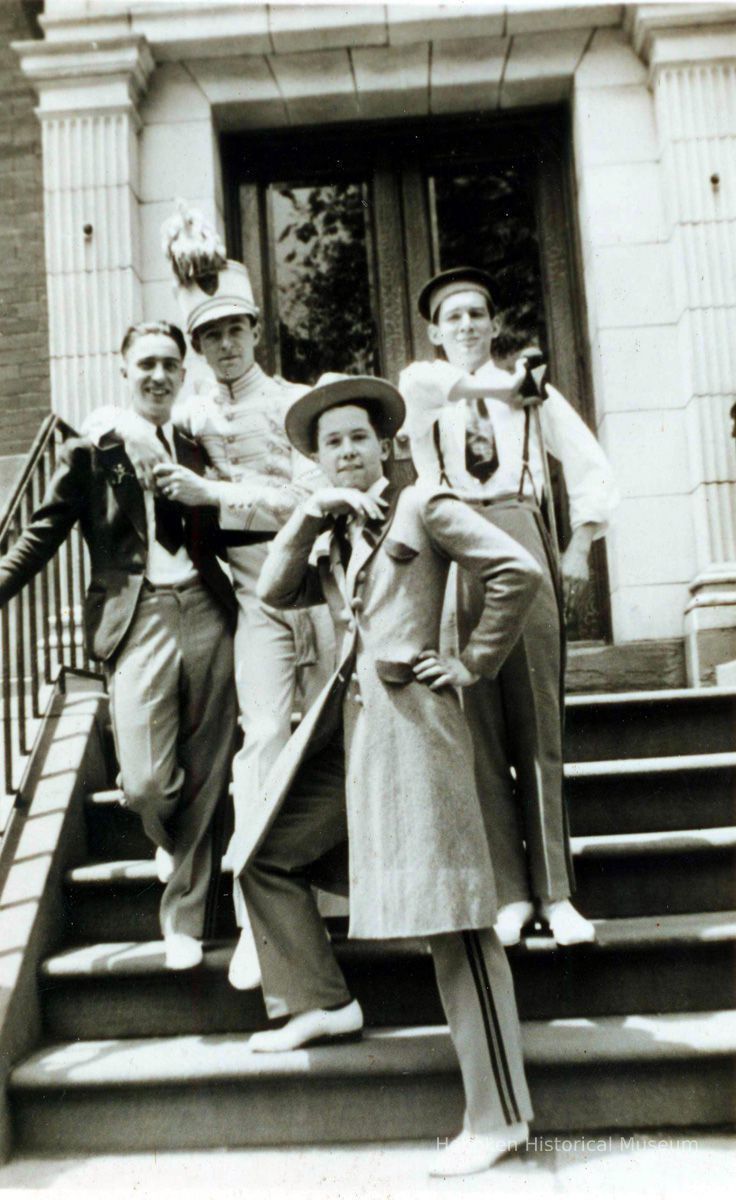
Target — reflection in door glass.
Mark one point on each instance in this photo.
(487, 219)
(321, 272)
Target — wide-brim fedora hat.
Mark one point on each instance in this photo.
(447, 283)
(381, 398)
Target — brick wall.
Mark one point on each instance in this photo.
(24, 363)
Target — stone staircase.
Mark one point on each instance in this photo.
(638, 1030)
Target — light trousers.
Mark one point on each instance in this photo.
(172, 702)
(516, 722)
(283, 659)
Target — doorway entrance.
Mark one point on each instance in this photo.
(340, 227)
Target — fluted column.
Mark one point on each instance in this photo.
(88, 108)
(693, 79)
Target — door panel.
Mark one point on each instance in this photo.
(340, 228)
(415, 219)
(320, 302)
(487, 218)
(390, 272)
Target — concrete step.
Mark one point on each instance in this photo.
(110, 900)
(671, 964)
(209, 1090)
(112, 830)
(603, 797)
(648, 724)
(618, 875)
(635, 795)
(646, 795)
(645, 874)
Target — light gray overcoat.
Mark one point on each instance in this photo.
(419, 860)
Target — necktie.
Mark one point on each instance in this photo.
(167, 513)
(342, 537)
(481, 456)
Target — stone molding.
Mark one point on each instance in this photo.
(681, 34)
(690, 51)
(71, 76)
(89, 98)
(187, 28)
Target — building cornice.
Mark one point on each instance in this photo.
(186, 29)
(110, 74)
(669, 34)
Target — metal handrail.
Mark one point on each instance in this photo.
(39, 628)
(47, 431)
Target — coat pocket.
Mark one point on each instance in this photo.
(399, 673)
(399, 551)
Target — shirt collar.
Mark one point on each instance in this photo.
(240, 389)
(167, 428)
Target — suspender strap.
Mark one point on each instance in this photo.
(526, 472)
(444, 479)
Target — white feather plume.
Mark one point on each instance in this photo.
(192, 246)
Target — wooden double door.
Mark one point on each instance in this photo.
(341, 226)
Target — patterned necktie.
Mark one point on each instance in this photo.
(481, 456)
(169, 525)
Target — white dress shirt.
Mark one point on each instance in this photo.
(589, 480)
(161, 566)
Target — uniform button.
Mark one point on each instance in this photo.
(358, 699)
(360, 577)
(357, 604)
(352, 626)
(354, 678)
(231, 437)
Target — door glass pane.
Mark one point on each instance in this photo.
(321, 279)
(486, 218)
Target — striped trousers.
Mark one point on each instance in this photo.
(477, 992)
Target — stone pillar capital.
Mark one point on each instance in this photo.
(668, 35)
(85, 77)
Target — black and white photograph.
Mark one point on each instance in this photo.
(367, 599)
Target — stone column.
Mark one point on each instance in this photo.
(692, 74)
(89, 94)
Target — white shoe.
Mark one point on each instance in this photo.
(164, 864)
(511, 920)
(182, 952)
(316, 1027)
(244, 972)
(569, 927)
(470, 1153)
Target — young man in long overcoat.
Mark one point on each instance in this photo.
(385, 759)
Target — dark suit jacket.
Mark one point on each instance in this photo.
(98, 488)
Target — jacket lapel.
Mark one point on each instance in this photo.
(187, 452)
(125, 486)
(371, 536)
(327, 546)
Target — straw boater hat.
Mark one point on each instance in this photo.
(380, 397)
(208, 285)
(447, 283)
